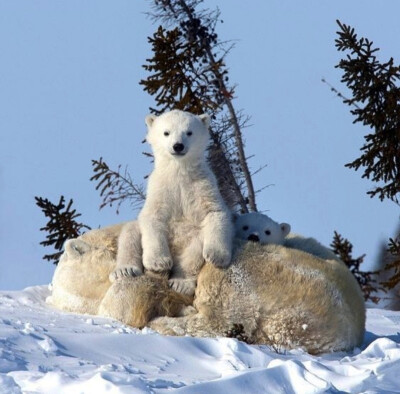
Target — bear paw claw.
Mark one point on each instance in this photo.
(124, 272)
(159, 264)
(183, 286)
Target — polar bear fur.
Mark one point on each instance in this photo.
(257, 227)
(184, 220)
(129, 253)
(283, 296)
(81, 282)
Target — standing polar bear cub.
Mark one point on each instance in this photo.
(184, 221)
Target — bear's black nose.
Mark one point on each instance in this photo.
(253, 238)
(178, 147)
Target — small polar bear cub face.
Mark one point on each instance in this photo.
(178, 134)
(257, 227)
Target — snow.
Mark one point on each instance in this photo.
(43, 350)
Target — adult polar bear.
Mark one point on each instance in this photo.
(282, 295)
(184, 221)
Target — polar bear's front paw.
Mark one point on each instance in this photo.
(157, 263)
(183, 286)
(218, 256)
(124, 272)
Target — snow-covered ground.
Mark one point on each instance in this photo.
(43, 350)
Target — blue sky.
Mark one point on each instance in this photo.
(69, 93)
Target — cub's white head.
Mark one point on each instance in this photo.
(260, 228)
(178, 135)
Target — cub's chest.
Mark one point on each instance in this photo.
(181, 233)
(183, 188)
(185, 198)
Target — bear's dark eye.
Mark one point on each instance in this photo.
(166, 133)
(245, 228)
(267, 232)
(189, 133)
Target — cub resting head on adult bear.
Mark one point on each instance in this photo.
(298, 294)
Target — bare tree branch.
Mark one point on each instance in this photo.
(116, 187)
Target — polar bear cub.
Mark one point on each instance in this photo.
(260, 228)
(184, 221)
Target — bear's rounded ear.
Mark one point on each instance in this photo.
(285, 229)
(76, 247)
(206, 119)
(149, 119)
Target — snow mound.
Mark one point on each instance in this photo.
(43, 350)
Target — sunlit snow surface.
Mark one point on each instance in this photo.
(46, 351)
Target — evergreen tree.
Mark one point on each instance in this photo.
(343, 248)
(188, 72)
(61, 226)
(388, 275)
(376, 98)
(375, 102)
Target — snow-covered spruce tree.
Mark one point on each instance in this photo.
(375, 102)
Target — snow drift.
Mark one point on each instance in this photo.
(47, 351)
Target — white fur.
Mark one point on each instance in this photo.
(274, 291)
(129, 255)
(260, 228)
(256, 224)
(184, 221)
(311, 246)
